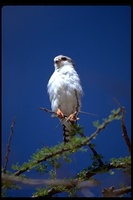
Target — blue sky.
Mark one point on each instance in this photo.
(98, 39)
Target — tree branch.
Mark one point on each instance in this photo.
(94, 151)
(124, 130)
(111, 192)
(8, 145)
(106, 167)
(46, 110)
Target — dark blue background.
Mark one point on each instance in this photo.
(98, 39)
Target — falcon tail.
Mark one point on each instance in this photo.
(67, 135)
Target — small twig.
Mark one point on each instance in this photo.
(87, 113)
(57, 125)
(8, 145)
(50, 111)
(46, 110)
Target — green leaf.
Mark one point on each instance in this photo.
(96, 123)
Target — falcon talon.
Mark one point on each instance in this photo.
(71, 120)
(60, 114)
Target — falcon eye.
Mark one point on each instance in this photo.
(63, 58)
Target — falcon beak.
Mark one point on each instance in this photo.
(58, 60)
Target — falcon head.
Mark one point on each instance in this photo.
(60, 61)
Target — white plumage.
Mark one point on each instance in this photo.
(65, 92)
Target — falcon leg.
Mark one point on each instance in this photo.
(73, 117)
(60, 114)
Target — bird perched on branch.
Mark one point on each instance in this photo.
(65, 91)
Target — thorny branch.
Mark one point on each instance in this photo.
(8, 145)
(67, 149)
